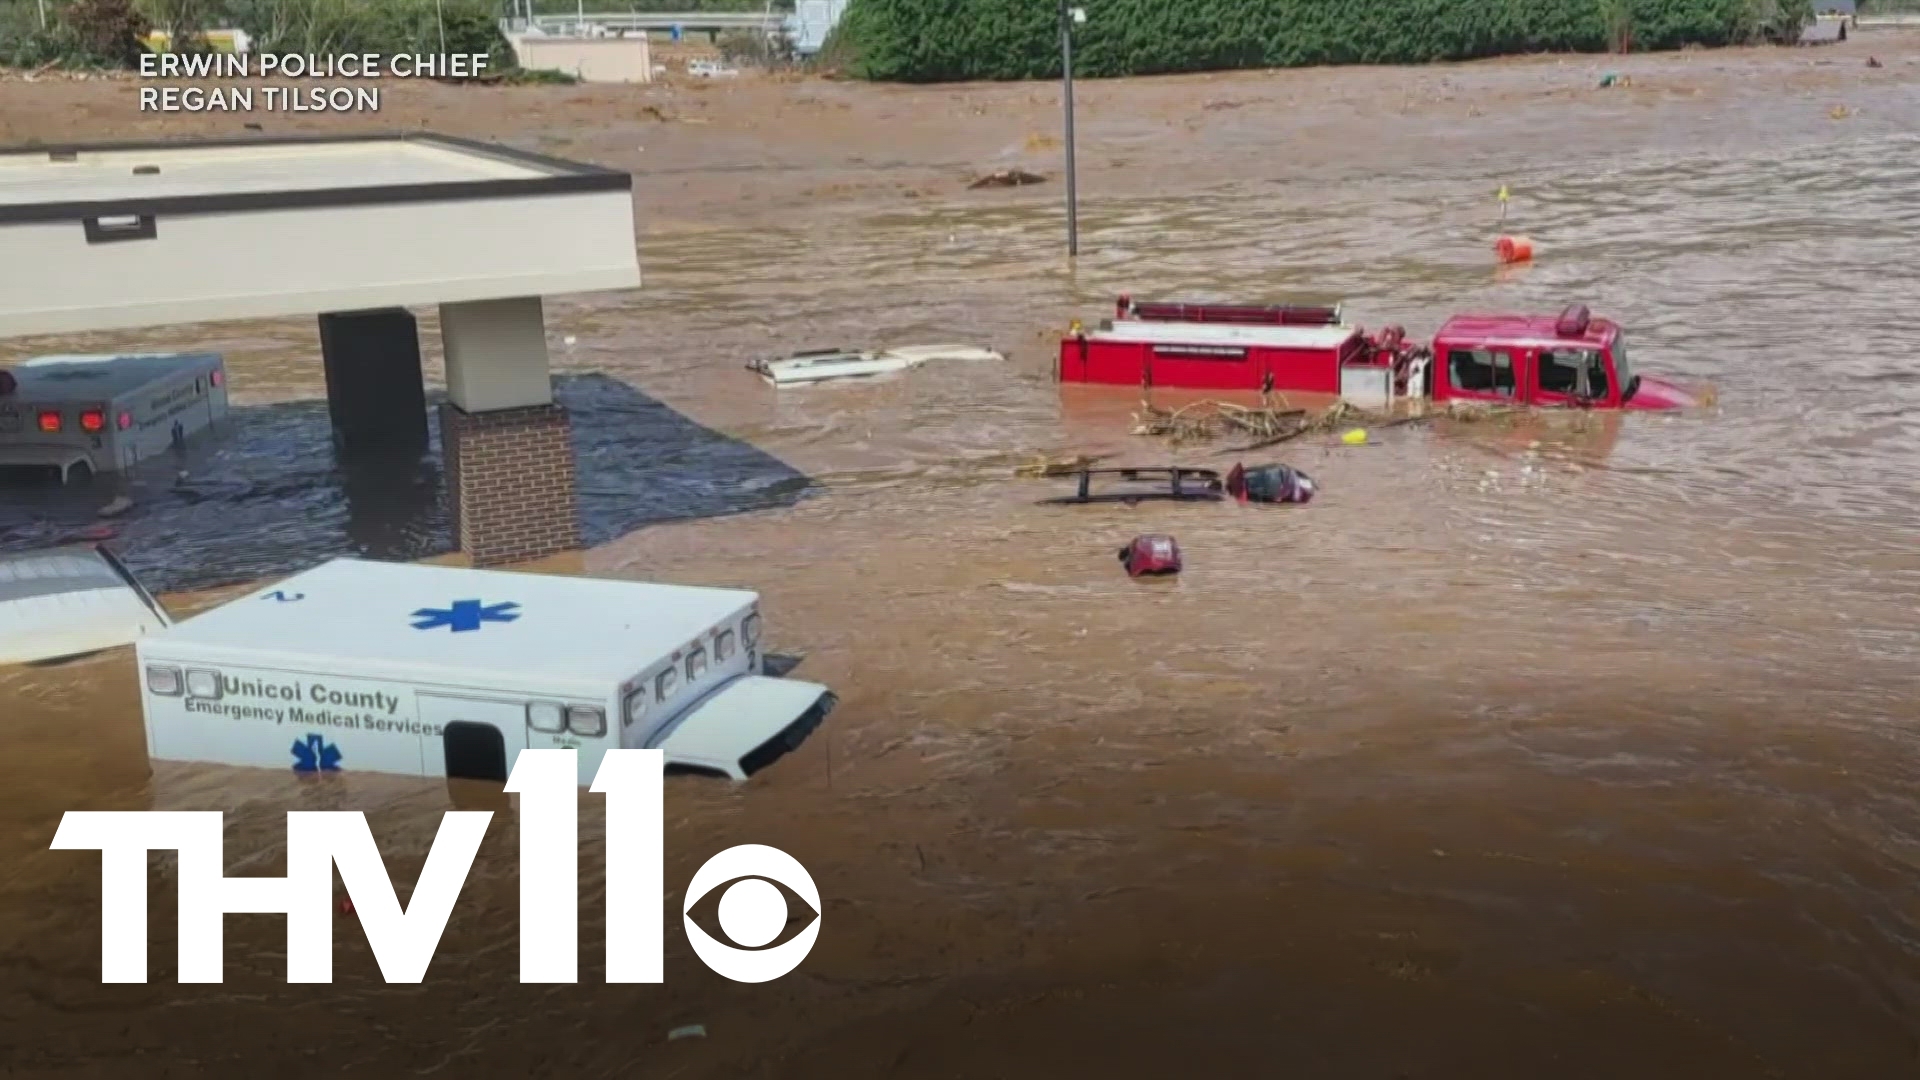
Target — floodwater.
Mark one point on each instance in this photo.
(1578, 747)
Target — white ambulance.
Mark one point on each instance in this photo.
(77, 416)
(441, 671)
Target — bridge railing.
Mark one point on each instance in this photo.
(586, 24)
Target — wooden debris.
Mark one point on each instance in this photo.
(1204, 421)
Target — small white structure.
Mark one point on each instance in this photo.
(626, 58)
(70, 601)
(823, 364)
(441, 671)
(130, 235)
(107, 413)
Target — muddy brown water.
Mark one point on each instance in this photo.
(1573, 747)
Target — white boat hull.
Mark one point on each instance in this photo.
(800, 370)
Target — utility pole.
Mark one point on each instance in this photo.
(1068, 17)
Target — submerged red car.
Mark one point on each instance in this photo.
(1570, 360)
(1151, 556)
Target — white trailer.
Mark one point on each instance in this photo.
(441, 671)
(99, 414)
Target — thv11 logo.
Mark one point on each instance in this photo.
(752, 912)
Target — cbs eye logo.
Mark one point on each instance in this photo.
(751, 884)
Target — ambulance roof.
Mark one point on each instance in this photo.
(97, 378)
(355, 616)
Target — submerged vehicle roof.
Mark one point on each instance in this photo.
(351, 614)
(68, 601)
(102, 377)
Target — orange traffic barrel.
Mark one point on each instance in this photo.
(1514, 249)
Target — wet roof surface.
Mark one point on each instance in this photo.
(29, 177)
(50, 573)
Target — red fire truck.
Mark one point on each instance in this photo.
(1572, 359)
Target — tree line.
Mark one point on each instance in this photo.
(108, 33)
(950, 40)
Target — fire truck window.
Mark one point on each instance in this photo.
(1560, 372)
(1481, 371)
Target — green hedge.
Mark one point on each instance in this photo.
(947, 40)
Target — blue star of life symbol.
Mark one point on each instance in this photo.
(315, 754)
(464, 615)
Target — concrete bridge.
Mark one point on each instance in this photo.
(807, 26)
(595, 24)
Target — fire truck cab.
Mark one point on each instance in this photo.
(1572, 360)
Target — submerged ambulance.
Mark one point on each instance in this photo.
(443, 671)
(80, 416)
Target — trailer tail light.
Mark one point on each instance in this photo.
(696, 664)
(163, 680)
(124, 421)
(217, 377)
(586, 721)
(546, 718)
(203, 684)
(93, 420)
(636, 707)
(49, 420)
(723, 646)
(750, 629)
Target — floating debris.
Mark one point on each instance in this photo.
(1202, 421)
(1513, 249)
(1151, 556)
(1007, 178)
(1064, 466)
(688, 1031)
